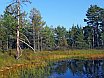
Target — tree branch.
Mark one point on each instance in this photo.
(25, 37)
(26, 44)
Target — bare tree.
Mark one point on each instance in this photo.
(17, 16)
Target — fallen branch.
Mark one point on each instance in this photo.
(25, 37)
(26, 44)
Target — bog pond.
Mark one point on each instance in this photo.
(68, 69)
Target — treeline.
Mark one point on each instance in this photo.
(37, 35)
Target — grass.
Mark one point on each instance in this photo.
(29, 59)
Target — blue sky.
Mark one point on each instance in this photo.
(59, 12)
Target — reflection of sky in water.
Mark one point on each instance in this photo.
(54, 75)
(78, 69)
(68, 74)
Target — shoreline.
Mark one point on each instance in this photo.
(42, 59)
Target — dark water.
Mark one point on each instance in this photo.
(78, 69)
(68, 69)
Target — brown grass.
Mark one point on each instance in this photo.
(41, 59)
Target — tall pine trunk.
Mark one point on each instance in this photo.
(41, 44)
(7, 44)
(38, 42)
(34, 37)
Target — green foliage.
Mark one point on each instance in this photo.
(60, 37)
(47, 35)
(95, 20)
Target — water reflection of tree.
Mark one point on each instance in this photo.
(87, 68)
(81, 68)
(59, 68)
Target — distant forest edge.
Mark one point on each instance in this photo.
(37, 35)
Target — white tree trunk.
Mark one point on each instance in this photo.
(18, 50)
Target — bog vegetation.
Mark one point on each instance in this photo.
(24, 31)
(35, 65)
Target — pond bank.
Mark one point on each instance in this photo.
(41, 59)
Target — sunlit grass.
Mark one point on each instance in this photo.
(9, 65)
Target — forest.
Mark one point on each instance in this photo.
(29, 48)
(34, 33)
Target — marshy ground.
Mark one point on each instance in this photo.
(28, 60)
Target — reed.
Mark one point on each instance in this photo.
(10, 68)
